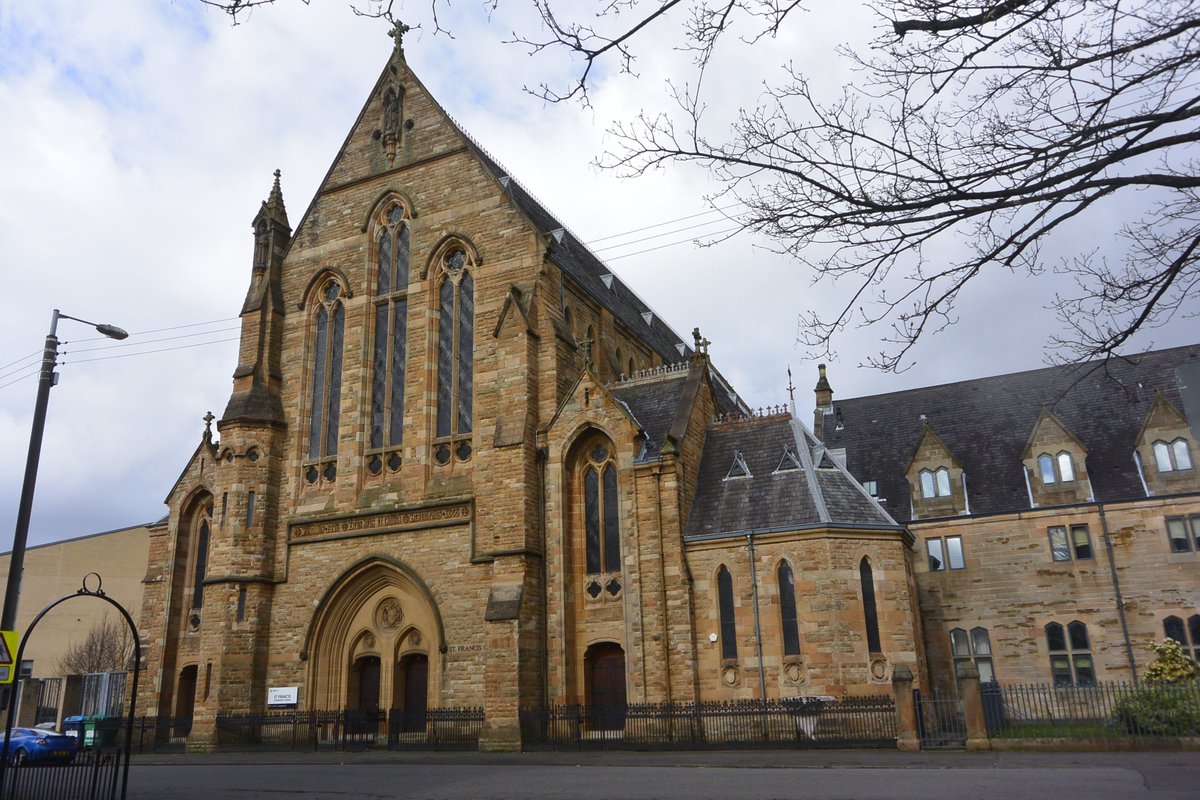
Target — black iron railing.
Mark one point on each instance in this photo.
(93, 774)
(1101, 711)
(787, 723)
(431, 729)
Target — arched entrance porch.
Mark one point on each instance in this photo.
(376, 642)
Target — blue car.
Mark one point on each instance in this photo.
(38, 746)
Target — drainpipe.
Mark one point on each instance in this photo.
(542, 457)
(1112, 568)
(762, 675)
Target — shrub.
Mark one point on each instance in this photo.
(1162, 710)
(1171, 665)
(1168, 704)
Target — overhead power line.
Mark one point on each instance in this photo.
(662, 224)
(147, 352)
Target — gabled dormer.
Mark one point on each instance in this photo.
(1166, 451)
(1055, 463)
(936, 480)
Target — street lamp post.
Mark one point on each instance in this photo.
(48, 378)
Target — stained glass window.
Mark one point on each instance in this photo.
(201, 562)
(612, 531)
(602, 519)
(787, 611)
(455, 350)
(591, 503)
(391, 335)
(728, 625)
(870, 613)
(326, 394)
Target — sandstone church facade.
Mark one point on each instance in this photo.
(463, 464)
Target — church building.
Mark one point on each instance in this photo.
(463, 464)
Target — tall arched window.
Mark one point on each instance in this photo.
(391, 331)
(602, 522)
(326, 395)
(787, 611)
(725, 609)
(870, 614)
(200, 557)
(455, 357)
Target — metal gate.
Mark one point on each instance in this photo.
(940, 721)
(49, 694)
(97, 768)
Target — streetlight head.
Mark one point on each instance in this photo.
(113, 332)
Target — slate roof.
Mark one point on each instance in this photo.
(653, 404)
(574, 258)
(986, 424)
(807, 497)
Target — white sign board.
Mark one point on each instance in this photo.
(282, 696)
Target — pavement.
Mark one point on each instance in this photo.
(684, 775)
(741, 759)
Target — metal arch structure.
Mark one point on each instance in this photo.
(83, 592)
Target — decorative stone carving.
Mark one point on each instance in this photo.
(390, 614)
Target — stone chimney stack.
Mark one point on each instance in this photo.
(824, 396)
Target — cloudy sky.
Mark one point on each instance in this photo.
(138, 139)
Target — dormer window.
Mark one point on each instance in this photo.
(738, 469)
(1173, 456)
(935, 483)
(788, 462)
(1056, 469)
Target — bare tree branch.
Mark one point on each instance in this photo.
(108, 647)
(957, 154)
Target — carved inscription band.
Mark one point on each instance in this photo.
(380, 523)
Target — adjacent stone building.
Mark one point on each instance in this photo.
(1057, 511)
(463, 464)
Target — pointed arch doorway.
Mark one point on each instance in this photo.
(364, 684)
(412, 691)
(605, 669)
(376, 642)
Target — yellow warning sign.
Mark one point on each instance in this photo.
(8, 651)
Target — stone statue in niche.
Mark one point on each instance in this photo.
(393, 104)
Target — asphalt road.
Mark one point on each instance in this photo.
(686, 776)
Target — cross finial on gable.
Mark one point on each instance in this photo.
(208, 421)
(397, 33)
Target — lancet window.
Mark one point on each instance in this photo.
(455, 356)
(329, 319)
(602, 522)
(389, 357)
(200, 557)
(787, 611)
(870, 612)
(725, 609)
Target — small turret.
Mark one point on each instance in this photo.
(255, 395)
